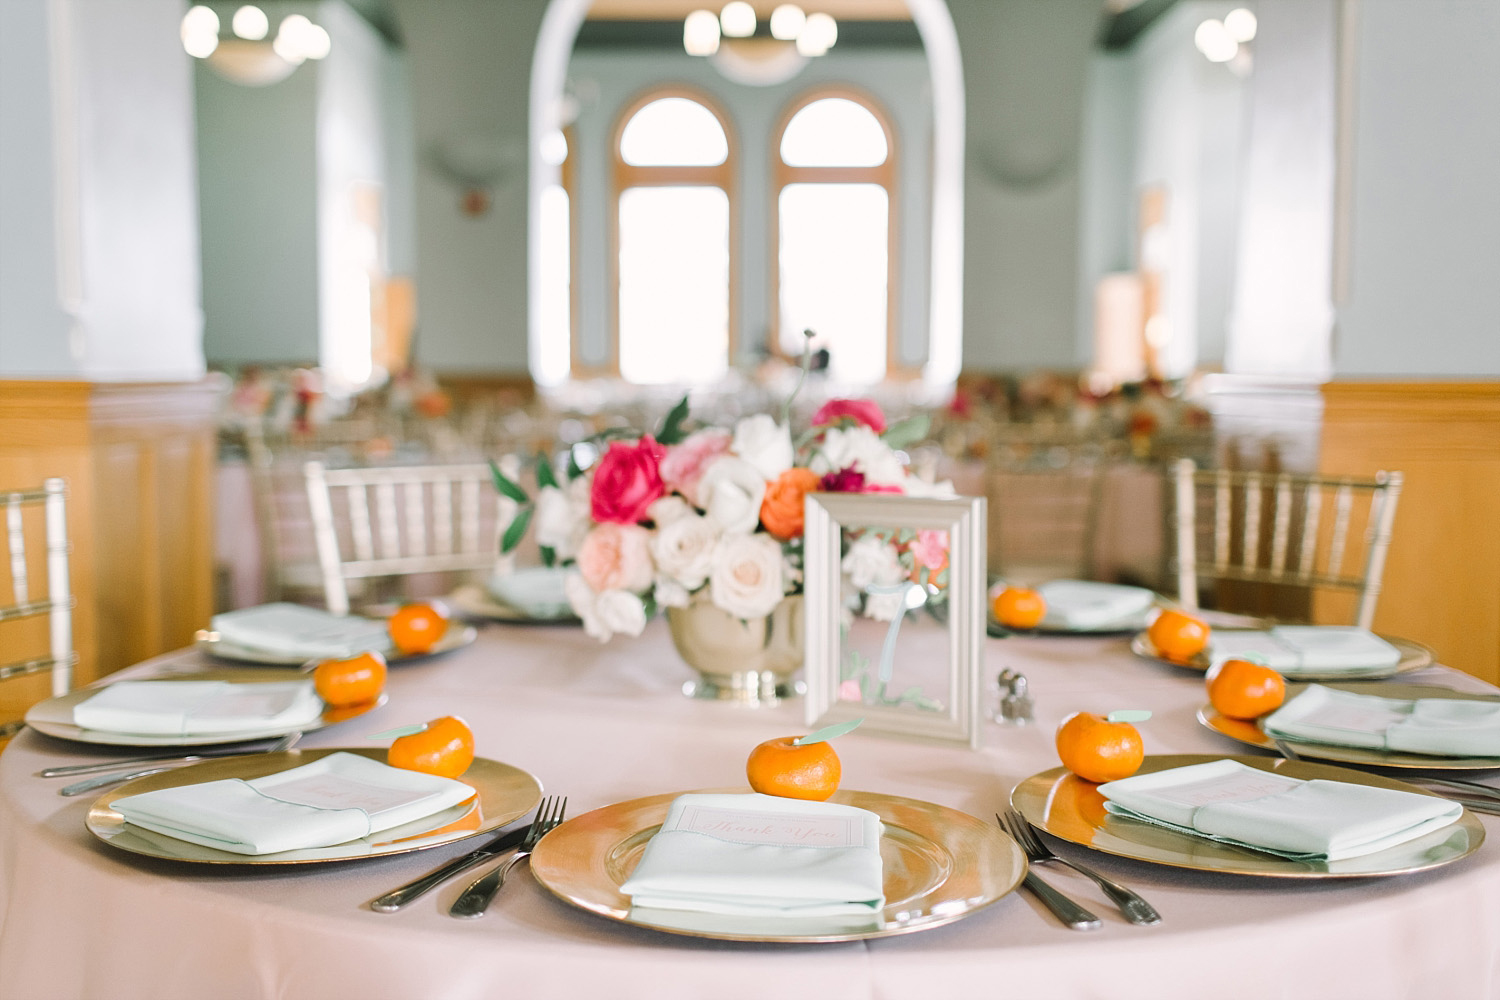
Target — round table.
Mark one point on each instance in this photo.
(601, 724)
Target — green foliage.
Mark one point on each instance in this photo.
(671, 428)
(517, 530)
(905, 433)
(544, 474)
(507, 486)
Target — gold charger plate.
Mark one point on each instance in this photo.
(1066, 806)
(502, 793)
(474, 601)
(458, 636)
(940, 866)
(1251, 732)
(1414, 656)
(54, 717)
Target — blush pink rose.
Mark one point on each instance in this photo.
(616, 557)
(861, 411)
(627, 481)
(682, 468)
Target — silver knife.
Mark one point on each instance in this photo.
(397, 898)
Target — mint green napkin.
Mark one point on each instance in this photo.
(1443, 727)
(293, 630)
(336, 799)
(762, 855)
(1291, 649)
(198, 708)
(1227, 801)
(1088, 604)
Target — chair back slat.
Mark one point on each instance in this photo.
(1281, 523)
(20, 591)
(1312, 512)
(1223, 508)
(1343, 506)
(387, 527)
(1250, 535)
(416, 518)
(442, 516)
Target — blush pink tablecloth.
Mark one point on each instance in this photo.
(602, 724)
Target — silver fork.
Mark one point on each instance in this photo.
(105, 780)
(1135, 909)
(474, 900)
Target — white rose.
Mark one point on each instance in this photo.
(746, 579)
(560, 522)
(684, 549)
(764, 443)
(861, 449)
(731, 491)
(668, 509)
(671, 594)
(916, 486)
(872, 561)
(885, 607)
(604, 614)
(621, 611)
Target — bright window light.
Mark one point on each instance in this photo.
(674, 131)
(674, 284)
(1214, 41)
(833, 272)
(250, 23)
(834, 132)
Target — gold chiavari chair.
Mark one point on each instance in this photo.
(398, 521)
(1309, 532)
(26, 600)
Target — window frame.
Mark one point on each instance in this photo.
(885, 174)
(623, 176)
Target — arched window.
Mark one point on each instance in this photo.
(835, 169)
(673, 240)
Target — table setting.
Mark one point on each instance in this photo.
(541, 811)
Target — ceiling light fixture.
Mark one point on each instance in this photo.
(247, 58)
(742, 54)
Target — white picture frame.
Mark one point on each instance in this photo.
(946, 707)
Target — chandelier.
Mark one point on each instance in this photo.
(730, 41)
(247, 56)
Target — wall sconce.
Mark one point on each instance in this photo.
(731, 43)
(246, 57)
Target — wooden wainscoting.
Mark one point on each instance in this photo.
(1442, 578)
(139, 460)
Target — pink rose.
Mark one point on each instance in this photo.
(682, 468)
(616, 557)
(851, 480)
(627, 481)
(861, 411)
(930, 550)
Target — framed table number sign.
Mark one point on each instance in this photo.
(894, 589)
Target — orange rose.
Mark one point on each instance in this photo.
(781, 510)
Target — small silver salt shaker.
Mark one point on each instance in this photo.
(1015, 699)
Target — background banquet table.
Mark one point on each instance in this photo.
(601, 724)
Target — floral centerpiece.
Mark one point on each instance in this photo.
(715, 513)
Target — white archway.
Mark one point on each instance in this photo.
(549, 70)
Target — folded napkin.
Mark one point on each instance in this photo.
(762, 855)
(333, 800)
(1442, 727)
(1226, 801)
(537, 591)
(1087, 604)
(198, 708)
(1293, 648)
(294, 630)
